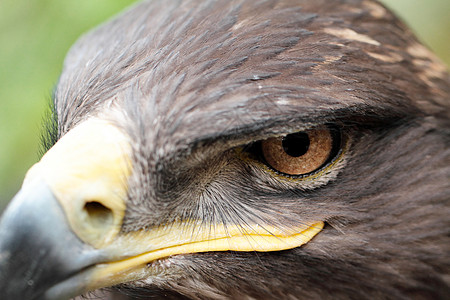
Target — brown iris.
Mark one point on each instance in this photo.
(299, 153)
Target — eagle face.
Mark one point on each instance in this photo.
(240, 149)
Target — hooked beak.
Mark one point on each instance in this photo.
(61, 235)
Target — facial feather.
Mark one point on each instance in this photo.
(195, 82)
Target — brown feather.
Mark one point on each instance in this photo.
(195, 79)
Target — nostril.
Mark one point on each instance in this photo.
(97, 224)
(98, 214)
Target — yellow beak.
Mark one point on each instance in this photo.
(87, 172)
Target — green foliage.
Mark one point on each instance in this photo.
(35, 35)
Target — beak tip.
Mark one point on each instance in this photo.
(38, 250)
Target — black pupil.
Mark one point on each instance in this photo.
(296, 144)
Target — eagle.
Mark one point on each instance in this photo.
(242, 149)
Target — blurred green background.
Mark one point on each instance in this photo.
(36, 34)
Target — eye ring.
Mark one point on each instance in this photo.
(300, 154)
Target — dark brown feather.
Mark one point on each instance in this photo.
(192, 80)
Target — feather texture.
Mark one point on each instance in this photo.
(192, 80)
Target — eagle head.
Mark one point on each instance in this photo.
(239, 150)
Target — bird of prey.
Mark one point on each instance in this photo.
(242, 149)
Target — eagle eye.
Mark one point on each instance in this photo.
(301, 153)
